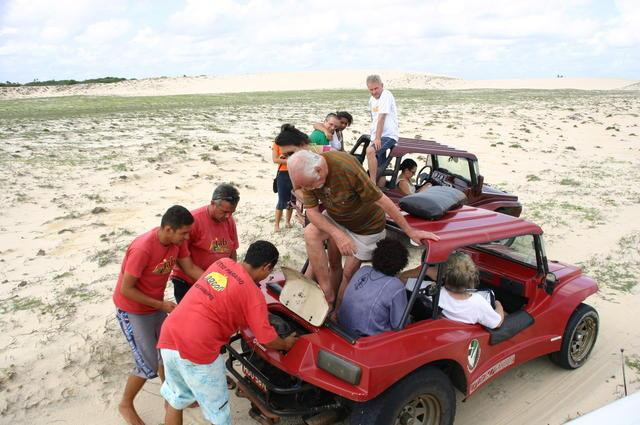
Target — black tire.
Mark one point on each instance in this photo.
(426, 396)
(579, 338)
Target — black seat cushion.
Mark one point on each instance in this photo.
(512, 324)
(433, 203)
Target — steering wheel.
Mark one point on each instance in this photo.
(423, 177)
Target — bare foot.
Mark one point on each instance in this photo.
(289, 225)
(276, 229)
(130, 415)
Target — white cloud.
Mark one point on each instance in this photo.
(104, 31)
(54, 34)
(471, 39)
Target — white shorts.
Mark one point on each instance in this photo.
(365, 244)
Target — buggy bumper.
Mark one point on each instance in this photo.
(296, 399)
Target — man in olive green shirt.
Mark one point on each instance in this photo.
(354, 218)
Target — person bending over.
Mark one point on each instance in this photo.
(375, 298)
(461, 305)
(225, 299)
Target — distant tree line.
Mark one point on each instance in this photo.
(63, 82)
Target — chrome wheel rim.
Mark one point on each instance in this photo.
(425, 409)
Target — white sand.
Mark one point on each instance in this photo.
(303, 81)
(64, 360)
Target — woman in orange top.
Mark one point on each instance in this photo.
(289, 141)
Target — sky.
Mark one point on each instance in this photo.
(471, 39)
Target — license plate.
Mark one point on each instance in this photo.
(256, 381)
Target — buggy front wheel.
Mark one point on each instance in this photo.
(578, 339)
(425, 397)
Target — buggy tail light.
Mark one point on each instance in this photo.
(339, 367)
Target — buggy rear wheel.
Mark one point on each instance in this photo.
(425, 397)
(579, 338)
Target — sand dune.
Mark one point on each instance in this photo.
(302, 81)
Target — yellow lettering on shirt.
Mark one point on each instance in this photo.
(166, 266)
(217, 281)
(219, 245)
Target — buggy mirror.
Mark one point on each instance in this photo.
(480, 183)
(550, 283)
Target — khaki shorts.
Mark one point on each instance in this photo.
(365, 244)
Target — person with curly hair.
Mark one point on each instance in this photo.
(375, 298)
(459, 302)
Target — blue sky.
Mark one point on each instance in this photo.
(60, 39)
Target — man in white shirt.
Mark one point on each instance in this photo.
(384, 124)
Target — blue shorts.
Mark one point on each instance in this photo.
(284, 190)
(186, 382)
(386, 144)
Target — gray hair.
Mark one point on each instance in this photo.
(226, 192)
(329, 115)
(307, 162)
(374, 78)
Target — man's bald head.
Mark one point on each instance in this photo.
(307, 170)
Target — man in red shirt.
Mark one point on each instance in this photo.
(225, 299)
(213, 236)
(139, 297)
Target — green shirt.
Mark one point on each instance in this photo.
(348, 195)
(318, 137)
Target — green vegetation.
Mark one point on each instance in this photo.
(633, 361)
(408, 99)
(104, 257)
(16, 303)
(620, 270)
(104, 80)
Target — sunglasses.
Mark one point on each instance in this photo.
(229, 199)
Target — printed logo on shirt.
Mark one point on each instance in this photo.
(360, 282)
(375, 109)
(166, 266)
(220, 245)
(217, 281)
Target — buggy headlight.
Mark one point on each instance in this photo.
(339, 367)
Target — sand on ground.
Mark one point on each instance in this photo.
(78, 189)
(163, 86)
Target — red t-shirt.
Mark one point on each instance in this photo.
(209, 241)
(151, 262)
(224, 300)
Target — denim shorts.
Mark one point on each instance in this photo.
(386, 144)
(284, 190)
(186, 382)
